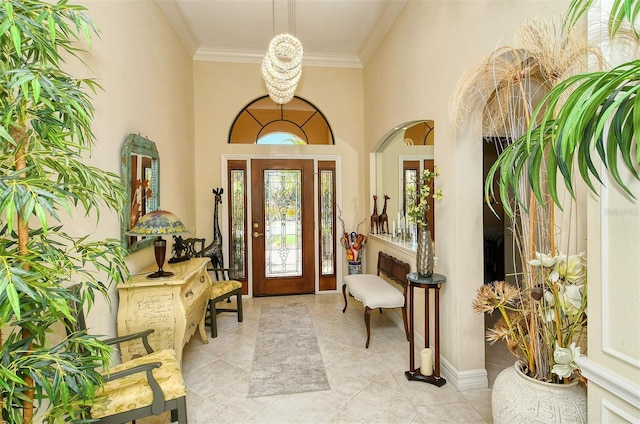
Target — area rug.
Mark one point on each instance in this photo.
(287, 356)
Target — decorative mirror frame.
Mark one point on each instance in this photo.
(136, 145)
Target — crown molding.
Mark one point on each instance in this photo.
(387, 18)
(173, 14)
(176, 19)
(207, 54)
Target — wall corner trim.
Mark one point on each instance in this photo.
(613, 383)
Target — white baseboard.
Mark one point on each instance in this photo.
(463, 380)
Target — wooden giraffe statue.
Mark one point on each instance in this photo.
(383, 218)
(374, 216)
(214, 250)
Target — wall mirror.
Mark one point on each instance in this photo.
(141, 178)
(397, 162)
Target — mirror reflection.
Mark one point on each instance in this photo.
(402, 154)
(141, 177)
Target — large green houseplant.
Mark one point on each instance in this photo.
(551, 117)
(45, 133)
(576, 120)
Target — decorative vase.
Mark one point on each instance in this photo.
(355, 267)
(424, 255)
(518, 398)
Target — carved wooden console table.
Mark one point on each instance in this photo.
(173, 306)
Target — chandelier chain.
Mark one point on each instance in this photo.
(282, 64)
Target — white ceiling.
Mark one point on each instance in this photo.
(341, 33)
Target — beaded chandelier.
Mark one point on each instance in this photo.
(282, 64)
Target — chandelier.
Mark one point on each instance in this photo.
(282, 64)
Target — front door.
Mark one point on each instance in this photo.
(282, 226)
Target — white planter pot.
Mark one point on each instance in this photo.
(517, 398)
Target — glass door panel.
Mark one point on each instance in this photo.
(283, 223)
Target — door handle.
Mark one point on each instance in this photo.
(257, 234)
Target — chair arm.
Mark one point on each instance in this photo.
(139, 335)
(157, 405)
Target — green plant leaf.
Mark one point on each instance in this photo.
(16, 37)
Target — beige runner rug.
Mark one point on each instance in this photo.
(287, 356)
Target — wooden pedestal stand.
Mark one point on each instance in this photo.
(431, 283)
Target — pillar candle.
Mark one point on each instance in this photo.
(426, 362)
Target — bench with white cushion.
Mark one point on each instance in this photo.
(375, 292)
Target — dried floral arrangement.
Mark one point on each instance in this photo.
(543, 308)
(353, 242)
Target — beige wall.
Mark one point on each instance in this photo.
(146, 76)
(411, 76)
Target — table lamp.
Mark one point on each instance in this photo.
(158, 223)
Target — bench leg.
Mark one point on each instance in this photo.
(344, 293)
(404, 318)
(367, 322)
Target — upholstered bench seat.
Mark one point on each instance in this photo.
(133, 391)
(373, 291)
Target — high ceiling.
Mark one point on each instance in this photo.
(332, 32)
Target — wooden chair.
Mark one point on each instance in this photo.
(192, 250)
(142, 387)
(222, 287)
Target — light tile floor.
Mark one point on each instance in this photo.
(367, 385)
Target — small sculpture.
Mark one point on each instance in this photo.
(383, 218)
(214, 250)
(180, 251)
(374, 216)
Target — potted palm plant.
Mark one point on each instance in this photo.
(579, 115)
(45, 132)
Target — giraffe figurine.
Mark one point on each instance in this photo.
(214, 250)
(374, 216)
(384, 218)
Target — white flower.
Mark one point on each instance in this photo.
(549, 311)
(564, 359)
(572, 299)
(571, 268)
(542, 260)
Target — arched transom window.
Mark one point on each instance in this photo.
(265, 122)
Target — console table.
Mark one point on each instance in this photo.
(430, 283)
(173, 306)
